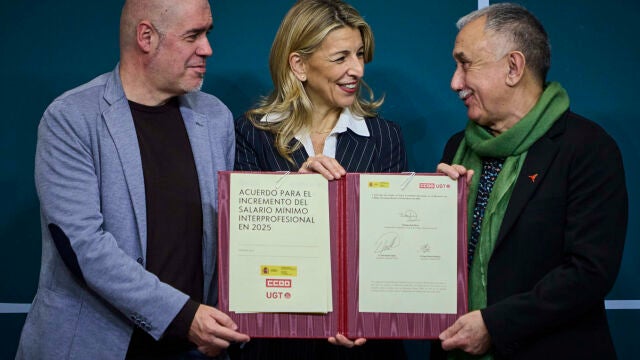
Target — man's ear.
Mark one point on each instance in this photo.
(297, 65)
(146, 35)
(517, 64)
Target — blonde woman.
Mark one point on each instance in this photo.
(315, 120)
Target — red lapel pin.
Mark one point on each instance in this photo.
(533, 177)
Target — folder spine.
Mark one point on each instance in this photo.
(343, 320)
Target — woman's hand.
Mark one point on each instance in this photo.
(323, 165)
(342, 340)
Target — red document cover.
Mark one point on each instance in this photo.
(346, 317)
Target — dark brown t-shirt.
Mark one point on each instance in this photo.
(174, 219)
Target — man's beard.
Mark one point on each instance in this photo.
(195, 88)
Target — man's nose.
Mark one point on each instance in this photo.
(457, 80)
(204, 48)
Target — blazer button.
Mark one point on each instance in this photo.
(140, 261)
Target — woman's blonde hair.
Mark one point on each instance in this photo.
(302, 31)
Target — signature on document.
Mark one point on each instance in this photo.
(387, 242)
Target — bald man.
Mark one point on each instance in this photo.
(125, 171)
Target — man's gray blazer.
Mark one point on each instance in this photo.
(93, 284)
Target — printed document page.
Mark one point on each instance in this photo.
(408, 244)
(279, 245)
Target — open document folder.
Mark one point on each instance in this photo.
(369, 255)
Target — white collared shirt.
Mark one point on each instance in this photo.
(346, 121)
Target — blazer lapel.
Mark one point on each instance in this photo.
(355, 153)
(274, 161)
(539, 158)
(299, 157)
(198, 133)
(119, 122)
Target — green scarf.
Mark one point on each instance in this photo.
(512, 145)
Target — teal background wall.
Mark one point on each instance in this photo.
(51, 46)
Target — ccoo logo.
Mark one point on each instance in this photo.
(278, 283)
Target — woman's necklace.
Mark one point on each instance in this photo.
(322, 132)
